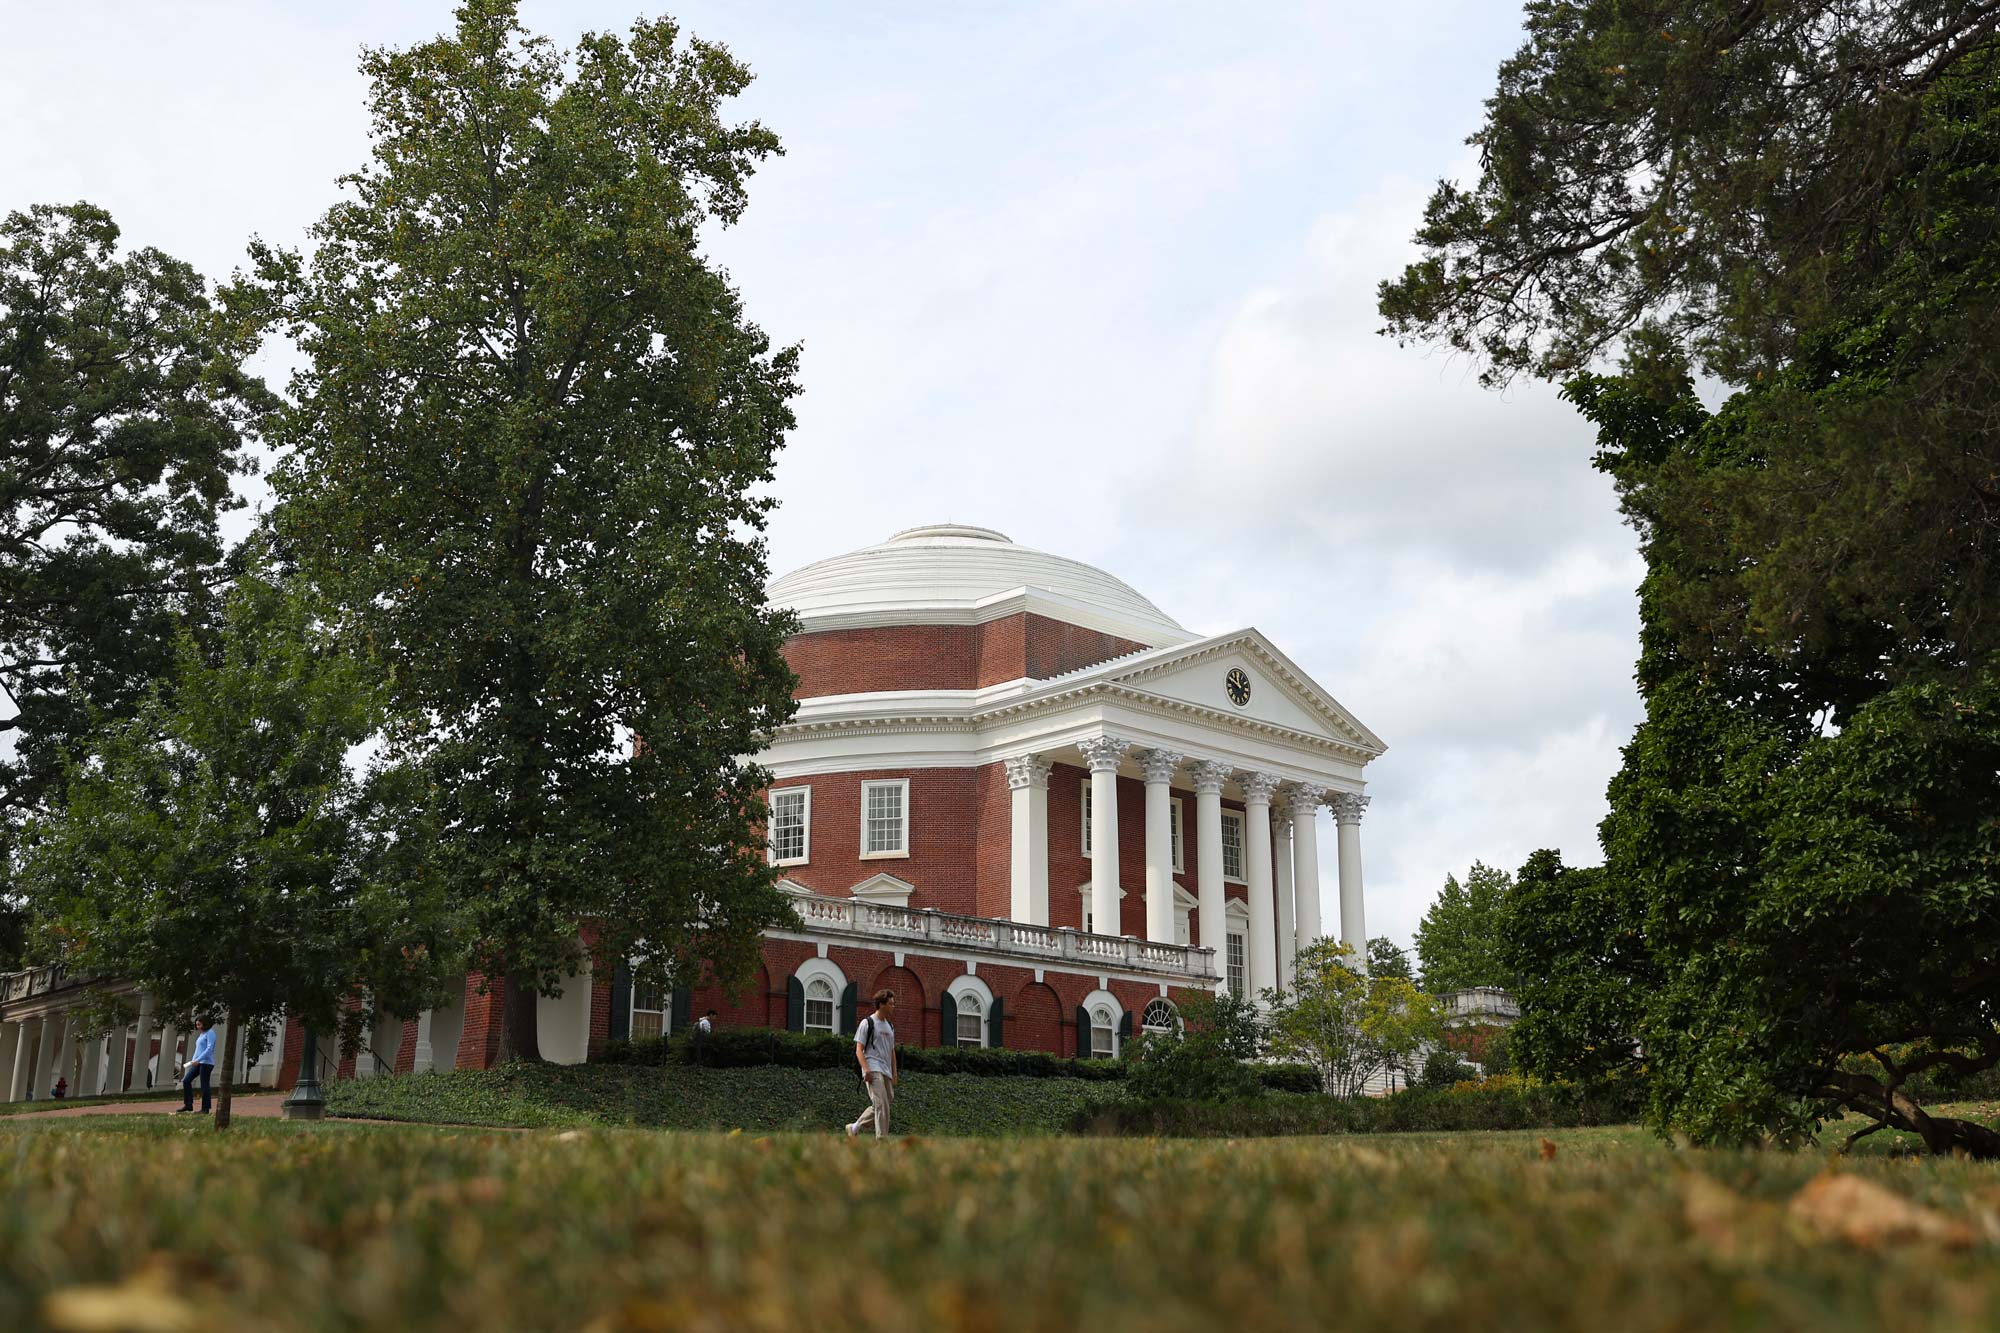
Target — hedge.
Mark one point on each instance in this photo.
(740, 1048)
(1548, 1106)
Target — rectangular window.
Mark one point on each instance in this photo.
(885, 818)
(1086, 816)
(1233, 967)
(1232, 845)
(1176, 824)
(791, 823)
(649, 1012)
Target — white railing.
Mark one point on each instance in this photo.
(1480, 1002)
(1006, 939)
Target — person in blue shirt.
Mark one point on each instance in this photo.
(201, 1062)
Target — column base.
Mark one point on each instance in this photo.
(298, 1110)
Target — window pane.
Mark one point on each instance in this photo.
(1174, 827)
(647, 1026)
(788, 825)
(884, 818)
(1103, 1034)
(1234, 964)
(819, 1005)
(1086, 816)
(1160, 1016)
(971, 1023)
(1232, 845)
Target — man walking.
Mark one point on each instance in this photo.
(200, 1063)
(875, 1052)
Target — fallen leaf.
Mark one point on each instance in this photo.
(1852, 1208)
(1548, 1151)
(143, 1303)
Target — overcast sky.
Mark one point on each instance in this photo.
(1098, 275)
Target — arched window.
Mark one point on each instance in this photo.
(1161, 1018)
(819, 1005)
(1103, 1033)
(971, 1020)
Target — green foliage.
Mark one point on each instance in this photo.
(380, 1229)
(532, 436)
(753, 1098)
(737, 1048)
(1445, 1068)
(217, 851)
(124, 411)
(1576, 940)
(1458, 941)
(1350, 1026)
(1417, 1110)
(1386, 960)
(1209, 1060)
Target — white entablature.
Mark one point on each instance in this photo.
(1173, 698)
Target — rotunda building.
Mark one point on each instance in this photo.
(978, 722)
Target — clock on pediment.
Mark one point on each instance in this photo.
(1237, 682)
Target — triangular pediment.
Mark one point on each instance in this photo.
(884, 889)
(1201, 675)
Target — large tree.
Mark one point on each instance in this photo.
(124, 409)
(1458, 941)
(217, 849)
(528, 452)
(1350, 1025)
(1803, 200)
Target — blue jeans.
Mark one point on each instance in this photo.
(187, 1086)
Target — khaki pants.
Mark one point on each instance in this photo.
(881, 1095)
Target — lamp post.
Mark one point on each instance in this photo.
(307, 1102)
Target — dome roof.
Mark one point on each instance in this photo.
(949, 573)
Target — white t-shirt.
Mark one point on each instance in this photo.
(703, 1026)
(881, 1052)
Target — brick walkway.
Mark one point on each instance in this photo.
(261, 1105)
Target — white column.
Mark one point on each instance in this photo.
(1158, 767)
(1028, 781)
(10, 1045)
(425, 1059)
(65, 1061)
(170, 1040)
(1347, 810)
(1305, 861)
(21, 1088)
(1102, 753)
(45, 1051)
(90, 1076)
(1263, 960)
(1208, 777)
(364, 1055)
(1287, 923)
(120, 1039)
(142, 1046)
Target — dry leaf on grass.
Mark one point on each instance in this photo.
(144, 1302)
(1548, 1151)
(1859, 1211)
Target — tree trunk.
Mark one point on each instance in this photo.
(520, 1038)
(228, 1068)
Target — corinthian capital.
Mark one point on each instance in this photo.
(1159, 765)
(1208, 776)
(1027, 770)
(1102, 753)
(1303, 801)
(1257, 787)
(1347, 806)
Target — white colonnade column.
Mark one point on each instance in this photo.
(1102, 753)
(1208, 898)
(65, 1061)
(10, 1045)
(91, 1070)
(142, 1046)
(21, 1087)
(1158, 768)
(1347, 809)
(1028, 788)
(170, 1038)
(1281, 875)
(45, 1050)
(424, 1059)
(1305, 861)
(1262, 963)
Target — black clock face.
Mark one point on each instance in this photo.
(1237, 682)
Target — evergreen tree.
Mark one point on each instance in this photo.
(1458, 941)
(528, 451)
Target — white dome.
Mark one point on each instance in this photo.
(949, 573)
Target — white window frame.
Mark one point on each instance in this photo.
(1236, 929)
(1103, 1000)
(1173, 1027)
(1084, 805)
(1242, 822)
(1178, 828)
(902, 853)
(969, 987)
(1237, 942)
(805, 831)
(832, 1002)
(826, 970)
(633, 1009)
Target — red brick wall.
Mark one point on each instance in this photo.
(479, 1040)
(945, 657)
(960, 837)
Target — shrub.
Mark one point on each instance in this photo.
(1444, 1069)
(742, 1048)
(1206, 1061)
(1497, 1105)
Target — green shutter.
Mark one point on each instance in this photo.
(947, 1020)
(1124, 1028)
(621, 1002)
(850, 1000)
(1082, 1033)
(993, 1024)
(795, 1005)
(681, 1007)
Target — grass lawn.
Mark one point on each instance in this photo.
(151, 1224)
